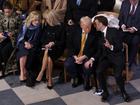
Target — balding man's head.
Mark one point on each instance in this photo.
(85, 23)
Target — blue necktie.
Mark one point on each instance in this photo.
(78, 2)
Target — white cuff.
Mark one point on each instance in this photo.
(135, 28)
(92, 59)
(112, 47)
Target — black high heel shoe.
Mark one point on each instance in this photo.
(49, 87)
(22, 81)
(37, 81)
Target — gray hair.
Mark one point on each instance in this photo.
(86, 20)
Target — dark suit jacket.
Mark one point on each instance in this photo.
(86, 8)
(124, 13)
(112, 35)
(106, 5)
(90, 45)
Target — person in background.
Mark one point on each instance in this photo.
(111, 54)
(130, 27)
(9, 27)
(28, 47)
(107, 5)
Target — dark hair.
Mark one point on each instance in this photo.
(102, 19)
(7, 5)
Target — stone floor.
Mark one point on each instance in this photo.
(12, 92)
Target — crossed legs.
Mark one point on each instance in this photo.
(47, 63)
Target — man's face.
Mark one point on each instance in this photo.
(97, 25)
(8, 12)
(85, 27)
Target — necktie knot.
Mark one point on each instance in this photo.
(132, 10)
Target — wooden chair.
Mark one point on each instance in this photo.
(60, 61)
(10, 66)
(138, 56)
(126, 62)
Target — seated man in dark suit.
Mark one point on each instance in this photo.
(111, 53)
(130, 25)
(82, 43)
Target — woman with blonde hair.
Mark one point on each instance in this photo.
(27, 43)
(53, 35)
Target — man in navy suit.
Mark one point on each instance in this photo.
(130, 25)
(79, 52)
(111, 53)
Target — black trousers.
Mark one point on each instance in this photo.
(75, 70)
(117, 64)
(91, 71)
(133, 41)
(6, 49)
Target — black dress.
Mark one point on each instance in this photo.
(32, 64)
(54, 34)
(22, 51)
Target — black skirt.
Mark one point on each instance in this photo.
(22, 51)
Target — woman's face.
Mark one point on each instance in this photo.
(35, 22)
(8, 12)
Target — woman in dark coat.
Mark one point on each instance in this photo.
(53, 40)
(27, 43)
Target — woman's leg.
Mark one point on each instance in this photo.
(44, 65)
(23, 70)
(50, 67)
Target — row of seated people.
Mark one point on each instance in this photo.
(28, 47)
(30, 40)
(92, 53)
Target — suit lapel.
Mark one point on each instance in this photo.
(79, 34)
(137, 9)
(108, 35)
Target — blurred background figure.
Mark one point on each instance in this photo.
(106, 5)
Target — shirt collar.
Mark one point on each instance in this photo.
(105, 29)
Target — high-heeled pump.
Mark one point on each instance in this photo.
(49, 87)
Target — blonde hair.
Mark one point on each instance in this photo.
(32, 16)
